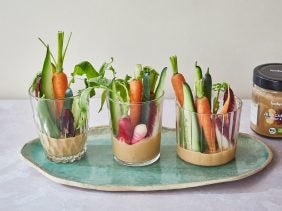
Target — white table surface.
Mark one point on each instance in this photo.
(24, 188)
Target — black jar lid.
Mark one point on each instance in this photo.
(268, 76)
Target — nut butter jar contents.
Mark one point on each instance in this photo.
(266, 107)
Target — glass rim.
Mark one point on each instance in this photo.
(237, 99)
(31, 94)
(138, 103)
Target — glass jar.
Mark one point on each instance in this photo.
(136, 143)
(62, 129)
(192, 144)
(266, 106)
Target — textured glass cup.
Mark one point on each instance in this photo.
(211, 143)
(63, 134)
(136, 131)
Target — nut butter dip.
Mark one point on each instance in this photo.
(266, 106)
(143, 151)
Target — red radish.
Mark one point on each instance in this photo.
(124, 130)
(140, 132)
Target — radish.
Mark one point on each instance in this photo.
(140, 132)
(124, 130)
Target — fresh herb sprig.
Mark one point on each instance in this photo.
(218, 87)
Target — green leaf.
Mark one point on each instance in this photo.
(218, 87)
(103, 99)
(107, 66)
(153, 80)
(99, 82)
(84, 68)
(127, 78)
(122, 87)
(84, 106)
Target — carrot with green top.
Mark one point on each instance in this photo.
(177, 80)
(204, 112)
(59, 79)
(135, 93)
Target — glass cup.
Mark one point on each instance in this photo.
(136, 131)
(62, 126)
(211, 143)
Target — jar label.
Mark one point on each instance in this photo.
(254, 113)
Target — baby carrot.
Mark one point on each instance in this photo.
(135, 92)
(60, 81)
(204, 119)
(204, 112)
(60, 85)
(177, 80)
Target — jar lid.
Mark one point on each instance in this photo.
(268, 76)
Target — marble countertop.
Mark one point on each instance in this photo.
(24, 188)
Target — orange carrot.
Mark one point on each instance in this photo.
(225, 107)
(60, 81)
(177, 80)
(204, 111)
(60, 85)
(136, 89)
(208, 126)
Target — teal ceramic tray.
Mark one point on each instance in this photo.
(99, 171)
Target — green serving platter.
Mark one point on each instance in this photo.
(98, 170)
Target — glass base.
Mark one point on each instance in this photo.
(146, 163)
(66, 159)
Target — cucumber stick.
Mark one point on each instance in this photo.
(181, 137)
(46, 84)
(191, 127)
(146, 98)
(207, 85)
(154, 75)
(199, 82)
(46, 121)
(161, 84)
(114, 107)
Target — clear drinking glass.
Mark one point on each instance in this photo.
(136, 131)
(62, 133)
(211, 143)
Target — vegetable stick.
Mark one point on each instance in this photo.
(225, 107)
(191, 127)
(207, 85)
(136, 90)
(204, 111)
(60, 81)
(146, 98)
(204, 119)
(177, 80)
(154, 112)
